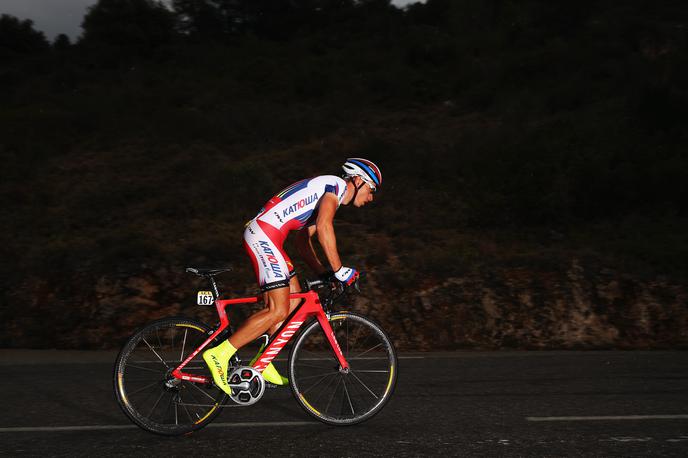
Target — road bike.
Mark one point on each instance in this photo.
(342, 366)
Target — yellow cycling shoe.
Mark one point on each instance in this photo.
(217, 359)
(271, 375)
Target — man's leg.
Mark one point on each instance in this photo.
(270, 372)
(218, 357)
(294, 287)
(276, 311)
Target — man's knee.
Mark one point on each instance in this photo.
(279, 304)
(279, 313)
(279, 310)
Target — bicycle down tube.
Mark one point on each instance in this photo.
(310, 306)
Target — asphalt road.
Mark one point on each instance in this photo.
(456, 404)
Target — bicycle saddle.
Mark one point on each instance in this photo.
(207, 271)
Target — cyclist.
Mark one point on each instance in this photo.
(308, 207)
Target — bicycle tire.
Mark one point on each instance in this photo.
(314, 370)
(189, 414)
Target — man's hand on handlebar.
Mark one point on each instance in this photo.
(328, 275)
(348, 276)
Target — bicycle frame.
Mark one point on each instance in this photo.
(310, 306)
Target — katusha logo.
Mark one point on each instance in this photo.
(277, 345)
(300, 204)
(272, 259)
(218, 369)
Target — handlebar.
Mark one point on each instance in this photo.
(336, 292)
(310, 284)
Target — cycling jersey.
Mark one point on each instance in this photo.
(294, 208)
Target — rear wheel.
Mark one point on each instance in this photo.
(145, 388)
(338, 397)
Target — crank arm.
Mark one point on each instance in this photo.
(243, 386)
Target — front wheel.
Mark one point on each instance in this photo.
(145, 388)
(337, 397)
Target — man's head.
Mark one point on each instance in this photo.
(365, 177)
(362, 192)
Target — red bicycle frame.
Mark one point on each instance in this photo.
(310, 306)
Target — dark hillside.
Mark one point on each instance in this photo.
(534, 157)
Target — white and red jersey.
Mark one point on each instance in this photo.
(293, 208)
(297, 205)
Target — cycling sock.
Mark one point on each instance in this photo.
(270, 373)
(217, 359)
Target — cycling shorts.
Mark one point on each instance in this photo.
(272, 266)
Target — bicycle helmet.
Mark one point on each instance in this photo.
(367, 170)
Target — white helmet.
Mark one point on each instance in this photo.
(367, 170)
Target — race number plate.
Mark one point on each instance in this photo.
(205, 298)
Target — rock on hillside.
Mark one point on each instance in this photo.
(505, 308)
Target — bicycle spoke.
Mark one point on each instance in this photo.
(156, 353)
(176, 414)
(318, 375)
(141, 389)
(356, 337)
(367, 351)
(327, 407)
(129, 379)
(145, 369)
(331, 358)
(313, 365)
(204, 393)
(189, 392)
(347, 339)
(164, 415)
(196, 403)
(324, 391)
(156, 404)
(186, 409)
(181, 356)
(317, 383)
(364, 385)
(346, 391)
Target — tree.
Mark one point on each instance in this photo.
(19, 37)
(207, 19)
(139, 23)
(62, 42)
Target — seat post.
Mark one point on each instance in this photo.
(214, 285)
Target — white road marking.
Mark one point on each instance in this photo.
(30, 429)
(627, 439)
(329, 358)
(611, 417)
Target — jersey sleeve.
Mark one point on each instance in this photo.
(336, 186)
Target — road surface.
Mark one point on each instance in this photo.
(446, 404)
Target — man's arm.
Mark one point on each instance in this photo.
(304, 245)
(324, 226)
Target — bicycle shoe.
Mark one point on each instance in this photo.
(270, 373)
(217, 359)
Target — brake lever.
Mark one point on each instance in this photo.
(357, 283)
(338, 290)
